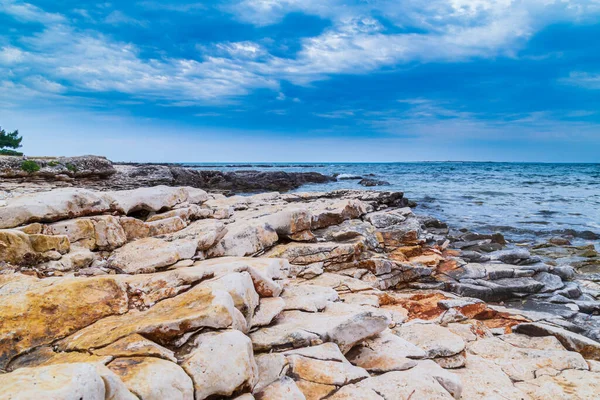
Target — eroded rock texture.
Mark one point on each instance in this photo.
(173, 293)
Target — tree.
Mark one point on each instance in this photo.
(10, 140)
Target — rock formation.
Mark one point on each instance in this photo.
(174, 293)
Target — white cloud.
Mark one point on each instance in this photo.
(28, 13)
(355, 43)
(585, 80)
(119, 18)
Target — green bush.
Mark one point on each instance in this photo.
(71, 167)
(53, 164)
(7, 152)
(30, 166)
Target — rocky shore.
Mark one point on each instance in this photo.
(102, 174)
(174, 293)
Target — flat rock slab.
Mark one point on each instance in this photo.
(434, 339)
(342, 324)
(384, 353)
(152, 378)
(73, 303)
(149, 254)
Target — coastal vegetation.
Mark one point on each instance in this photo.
(9, 142)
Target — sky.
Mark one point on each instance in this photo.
(303, 80)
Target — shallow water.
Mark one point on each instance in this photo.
(521, 200)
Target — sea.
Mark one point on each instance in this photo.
(524, 201)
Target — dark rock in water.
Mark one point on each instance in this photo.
(511, 256)
(473, 256)
(494, 238)
(431, 222)
(551, 282)
(559, 241)
(368, 182)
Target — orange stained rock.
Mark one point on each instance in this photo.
(47, 312)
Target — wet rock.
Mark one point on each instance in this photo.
(369, 182)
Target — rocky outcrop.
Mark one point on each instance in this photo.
(171, 292)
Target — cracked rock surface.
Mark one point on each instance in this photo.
(175, 293)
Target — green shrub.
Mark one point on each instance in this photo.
(53, 164)
(71, 167)
(30, 166)
(7, 152)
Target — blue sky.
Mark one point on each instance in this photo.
(304, 80)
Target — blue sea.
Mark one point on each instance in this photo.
(524, 201)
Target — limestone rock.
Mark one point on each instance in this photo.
(309, 253)
(52, 206)
(135, 346)
(384, 353)
(71, 304)
(483, 380)
(569, 384)
(148, 255)
(221, 363)
(308, 297)
(206, 233)
(342, 324)
(166, 225)
(285, 388)
(268, 309)
(64, 381)
(108, 232)
(148, 198)
(134, 228)
(426, 381)
(152, 378)
(271, 368)
(570, 340)
(163, 323)
(435, 340)
(522, 364)
(245, 238)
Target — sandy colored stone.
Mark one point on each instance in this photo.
(148, 198)
(149, 254)
(206, 233)
(45, 355)
(426, 381)
(134, 228)
(163, 323)
(328, 253)
(435, 340)
(52, 206)
(271, 367)
(325, 372)
(78, 229)
(152, 378)
(285, 388)
(77, 381)
(165, 226)
(45, 313)
(484, 380)
(108, 232)
(268, 309)
(385, 352)
(342, 324)
(135, 345)
(567, 385)
(244, 238)
(308, 297)
(523, 363)
(221, 363)
(241, 288)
